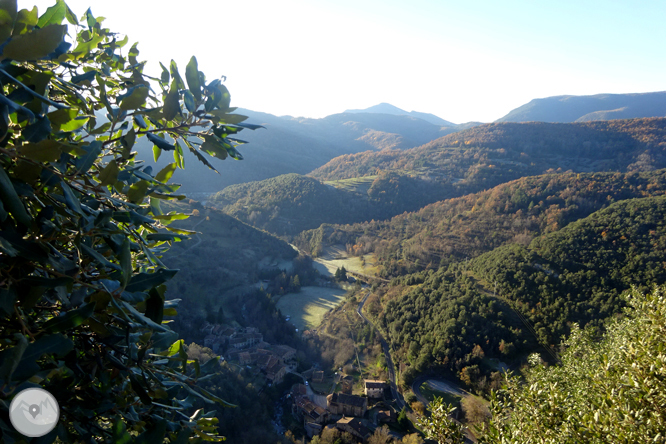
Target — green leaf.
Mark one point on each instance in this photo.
(25, 21)
(66, 120)
(10, 358)
(213, 146)
(157, 152)
(171, 105)
(160, 142)
(190, 104)
(120, 435)
(43, 151)
(138, 191)
(192, 77)
(93, 151)
(135, 98)
(98, 257)
(167, 237)
(129, 139)
(181, 231)
(8, 14)
(146, 399)
(54, 15)
(143, 319)
(178, 157)
(165, 174)
(175, 348)
(56, 344)
(71, 200)
(125, 260)
(71, 18)
(70, 319)
(109, 175)
(177, 79)
(224, 118)
(172, 216)
(146, 281)
(11, 201)
(140, 121)
(165, 75)
(36, 44)
(155, 306)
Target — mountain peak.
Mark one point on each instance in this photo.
(387, 108)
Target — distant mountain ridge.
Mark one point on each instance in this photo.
(567, 109)
(299, 145)
(387, 108)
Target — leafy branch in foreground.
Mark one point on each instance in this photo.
(82, 303)
(608, 391)
(440, 426)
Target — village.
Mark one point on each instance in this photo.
(353, 405)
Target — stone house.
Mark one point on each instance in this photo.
(355, 427)
(348, 405)
(374, 389)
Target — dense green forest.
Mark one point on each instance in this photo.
(464, 227)
(515, 299)
(291, 203)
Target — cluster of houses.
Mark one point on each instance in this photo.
(247, 346)
(343, 411)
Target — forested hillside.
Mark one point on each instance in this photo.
(464, 227)
(517, 299)
(292, 203)
(207, 266)
(300, 145)
(588, 108)
(487, 155)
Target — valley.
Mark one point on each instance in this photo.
(175, 269)
(463, 257)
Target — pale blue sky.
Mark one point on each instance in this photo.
(463, 60)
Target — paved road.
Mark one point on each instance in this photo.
(387, 352)
(436, 384)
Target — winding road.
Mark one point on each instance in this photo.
(437, 385)
(389, 361)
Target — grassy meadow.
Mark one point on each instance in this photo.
(308, 307)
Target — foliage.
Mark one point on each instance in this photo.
(464, 227)
(611, 391)
(487, 155)
(341, 274)
(439, 426)
(82, 231)
(291, 203)
(514, 300)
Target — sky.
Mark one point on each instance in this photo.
(472, 60)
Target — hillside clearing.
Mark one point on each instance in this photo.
(335, 256)
(307, 308)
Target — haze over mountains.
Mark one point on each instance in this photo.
(587, 108)
(302, 145)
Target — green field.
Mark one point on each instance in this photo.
(335, 256)
(359, 185)
(308, 307)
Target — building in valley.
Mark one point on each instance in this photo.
(348, 405)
